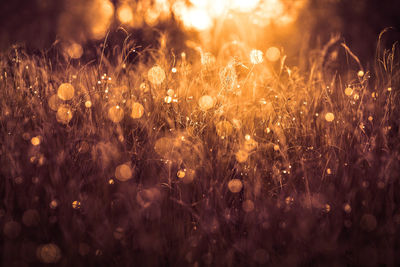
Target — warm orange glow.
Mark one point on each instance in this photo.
(123, 172)
(54, 102)
(224, 128)
(235, 185)
(206, 102)
(137, 110)
(88, 104)
(115, 113)
(256, 57)
(104, 11)
(66, 91)
(35, 140)
(329, 117)
(64, 114)
(348, 91)
(244, 5)
(125, 14)
(201, 14)
(156, 75)
(273, 54)
(74, 50)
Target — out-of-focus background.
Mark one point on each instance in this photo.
(39, 23)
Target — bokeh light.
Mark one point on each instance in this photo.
(238, 124)
(66, 91)
(54, 102)
(206, 102)
(273, 54)
(235, 185)
(348, 91)
(125, 14)
(74, 50)
(48, 253)
(115, 113)
(137, 110)
(329, 117)
(224, 128)
(64, 114)
(104, 11)
(123, 172)
(35, 140)
(156, 75)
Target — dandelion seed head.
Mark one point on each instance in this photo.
(256, 56)
(156, 75)
(74, 50)
(207, 59)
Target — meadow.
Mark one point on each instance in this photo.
(233, 158)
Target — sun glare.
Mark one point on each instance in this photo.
(201, 14)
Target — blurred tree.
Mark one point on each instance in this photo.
(32, 22)
(358, 21)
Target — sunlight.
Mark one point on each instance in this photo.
(104, 11)
(125, 14)
(202, 14)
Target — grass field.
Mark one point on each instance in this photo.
(195, 159)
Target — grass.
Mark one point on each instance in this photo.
(314, 191)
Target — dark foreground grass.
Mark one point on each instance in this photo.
(276, 166)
